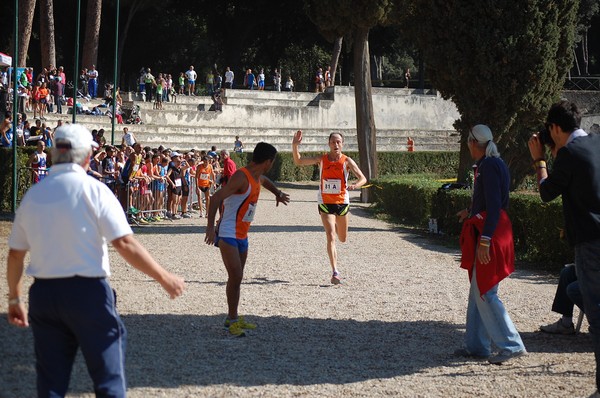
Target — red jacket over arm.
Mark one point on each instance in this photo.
(502, 251)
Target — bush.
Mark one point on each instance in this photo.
(407, 198)
(444, 164)
(536, 225)
(6, 180)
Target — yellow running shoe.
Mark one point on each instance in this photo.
(244, 324)
(241, 321)
(235, 329)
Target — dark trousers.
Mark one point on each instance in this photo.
(587, 261)
(148, 87)
(71, 313)
(58, 103)
(567, 292)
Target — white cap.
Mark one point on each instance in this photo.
(482, 133)
(175, 153)
(74, 136)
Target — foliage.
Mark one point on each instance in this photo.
(587, 10)
(413, 199)
(300, 63)
(392, 163)
(354, 19)
(489, 78)
(443, 164)
(407, 198)
(6, 180)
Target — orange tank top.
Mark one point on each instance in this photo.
(203, 175)
(239, 209)
(334, 181)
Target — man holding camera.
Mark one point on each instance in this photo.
(576, 177)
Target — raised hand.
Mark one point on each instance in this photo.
(297, 138)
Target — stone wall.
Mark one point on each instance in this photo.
(275, 116)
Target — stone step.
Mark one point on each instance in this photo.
(275, 116)
(314, 139)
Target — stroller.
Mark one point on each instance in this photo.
(132, 115)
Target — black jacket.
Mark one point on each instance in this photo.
(576, 176)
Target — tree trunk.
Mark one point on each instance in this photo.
(47, 40)
(378, 69)
(335, 56)
(26, 13)
(576, 62)
(92, 33)
(584, 52)
(365, 119)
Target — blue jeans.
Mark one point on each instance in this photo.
(488, 322)
(92, 87)
(587, 261)
(71, 313)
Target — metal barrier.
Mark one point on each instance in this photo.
(143, 201)
(149, 201)
(584, 83)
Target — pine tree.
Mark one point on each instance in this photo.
(354, 19)
(502, 63)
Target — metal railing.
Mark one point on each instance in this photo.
(583, 83)
(143, 201)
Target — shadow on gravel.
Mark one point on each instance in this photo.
(171, 351)
(168, 351)
(307, 185)
(551, 343)
(201, 229)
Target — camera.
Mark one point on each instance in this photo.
(545, 137)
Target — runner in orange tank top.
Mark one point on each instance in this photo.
(333, 198)
(205, 179)
(238, 200)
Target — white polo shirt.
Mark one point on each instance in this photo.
(65, 222)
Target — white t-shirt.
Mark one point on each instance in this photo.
(229, 76)
(128, 138)
(65, 221)
(191, 74)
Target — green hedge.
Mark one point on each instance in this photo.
(537, 226)
(444, 164)
(6, 165)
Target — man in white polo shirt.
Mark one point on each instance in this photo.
(191, 76)
(65, 222)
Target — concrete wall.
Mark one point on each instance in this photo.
(275, 116)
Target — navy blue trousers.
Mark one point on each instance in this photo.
(587, 261)
(567, 292)
(70, 313)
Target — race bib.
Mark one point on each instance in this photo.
(249, 216)
(178, 182)
(331, 186)
(204, 176)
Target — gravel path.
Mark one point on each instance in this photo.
(389, 330)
